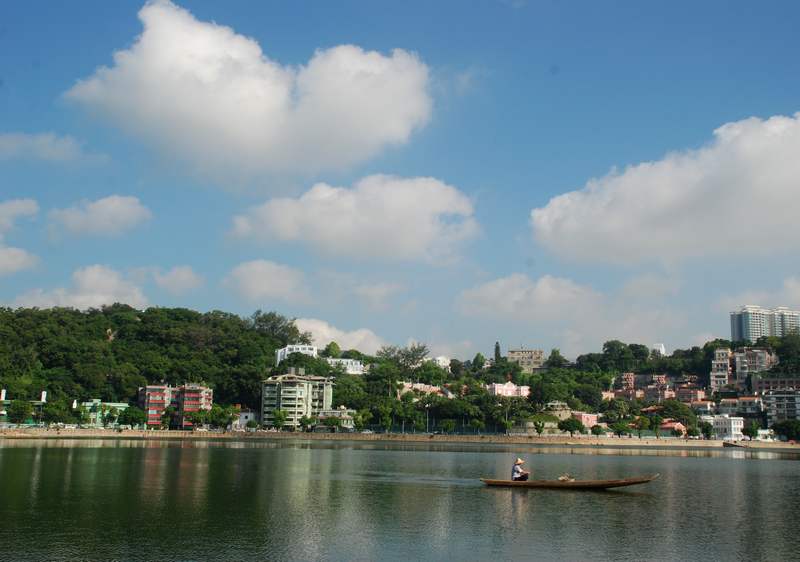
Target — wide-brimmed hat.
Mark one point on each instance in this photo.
(519, 461)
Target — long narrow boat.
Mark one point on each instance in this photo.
(572, 484)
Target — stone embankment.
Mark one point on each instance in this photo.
(545, 440)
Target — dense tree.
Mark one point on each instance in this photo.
(641, 424)
(279, 418)
(109, 353)
(447, 426)
(19, 411)
(57, 412)
(706, 429)
(620, 428)
(332, 350)
(572, 425)
(789, 429)
(132, 416)
(597, 430)
(555, 360)
(655, 423)
(751, 429)
(497, 354)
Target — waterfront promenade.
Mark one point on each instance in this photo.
(554, 440)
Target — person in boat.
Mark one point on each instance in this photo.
(517, 473)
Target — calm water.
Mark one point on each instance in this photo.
(134, 500)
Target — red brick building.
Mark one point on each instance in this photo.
(185, 399)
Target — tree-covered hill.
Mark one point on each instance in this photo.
(110, 353)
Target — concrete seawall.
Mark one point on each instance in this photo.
(551, 440)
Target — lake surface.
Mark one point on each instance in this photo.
(138, 500)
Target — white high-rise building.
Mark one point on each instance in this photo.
(753, 322)
(284, 352)
(659, 348)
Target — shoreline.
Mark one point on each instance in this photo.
(555, 440)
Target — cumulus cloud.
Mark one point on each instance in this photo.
(322, 333)
(383, 217)
(179, 280)
(261, 281)
(201, 92)
(788, 294)
(518, 296)
(12, 210)
(47, 147)
(377, 295)
(650, 286)
(12, 259)
(577, 316)
(737, 194)
(92, 287)
(108, 216)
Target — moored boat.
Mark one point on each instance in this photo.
(572, 484)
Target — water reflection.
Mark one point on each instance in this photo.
(168, 500)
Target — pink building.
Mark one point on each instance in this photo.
(689, 394)
(628, 381)
(670, 425)
(588, 420)
(508, 389)
(629, 393)
(658, 393)
(659, 379)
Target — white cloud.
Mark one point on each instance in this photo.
(787, 295)
(381, 217)
(199, 91)
(738, 194)
(322, 333)
(179, 280)
(522, 298)
(13, 209)
(12, 259)
(377, 295)
(260, 281)
(48, 147)
(108, 216)
(578, 317)
(92, 287)
(651, 286)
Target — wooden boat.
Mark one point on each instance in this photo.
(572, 484)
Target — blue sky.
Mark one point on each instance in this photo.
(539, 173)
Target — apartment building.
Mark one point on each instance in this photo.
(782, 404)
(297, 394)
(720, 369)
(528, 359)
(154, 399)
(762, 385)
(751, 322)
(748, 361)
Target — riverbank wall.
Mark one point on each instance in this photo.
(545, 440)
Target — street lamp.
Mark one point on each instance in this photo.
(427, 427)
